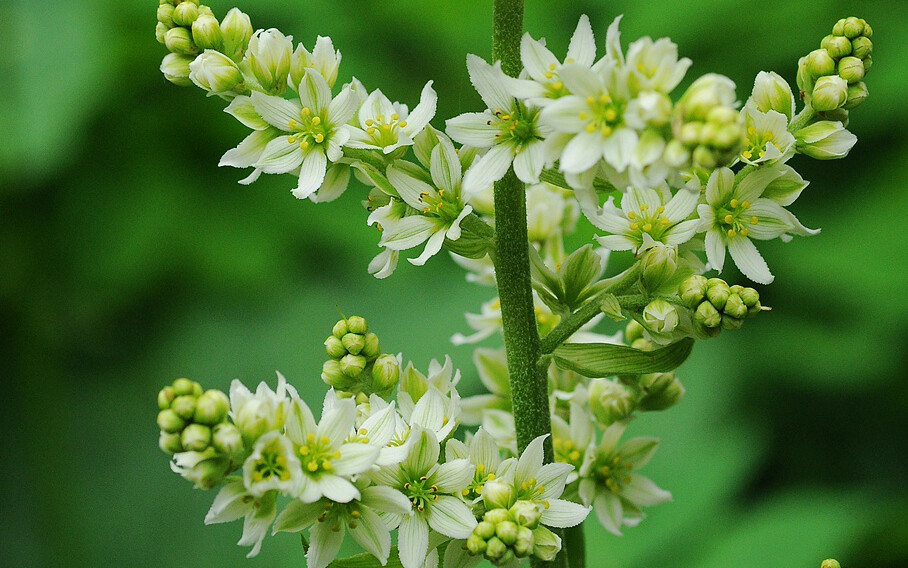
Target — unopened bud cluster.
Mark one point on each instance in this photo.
(192, 420)
(708, 130)
(831, 77)
(504, 535)
(357, 365)
(717, 305)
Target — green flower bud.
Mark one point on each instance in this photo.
(643, 344)
(703, 157)
(497, 496)
(735, 307)
(868, 63)
(196, 437)
(206, 32)
(820, 63)
(721, 115)
(610, 401)
(709, 91)
(496, 515)
(333, 375)
(269, 55)
(829, 93)
(546, 544)
(856, 95)
(353, 343)
(633, 331)
(523, 547)
(196, 389)
(830, 563)
(340, 329)
(839, 27)
(335, 348)
(506, 559)
(175, 68)
(183, 386)
(485, 529)
(851, 69)
(729, 136)
(750, 297)
(690, 133)
(184, 406)
(660, 316)
(179, 40)
(206, 469)
(204, 10)
(236, 30)
(853, 27)
(675, 154)
(185, 13)
(160, 31)
(526, 514)
(861, 47)
(837, 46)
(165, 397)
(169, 421)
(825, 140)
(692, 290)
(507, 532)
(211, 407)
(659, 264)
(707, 315)
(215, 72)
(171, 2)
(868, 31)
(717, 292)
(170, 443)
(371, 349)
(495, 549)
(352, 365)
(475, 544)
(357, 324)
(731, 323)
(663, 390)
(385, 373)
(226, 439)
(165, 14)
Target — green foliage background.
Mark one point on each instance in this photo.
(127, 258)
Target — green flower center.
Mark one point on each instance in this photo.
(566, 451)
(649, 221)
(612, 472)
(383, 130)
(340, 513)
(756, 143)
(517, 127)
(316, 454)
(310, 130)
(733, 218)
(445, 204)
(420, 493)
(602, 114)
(273, 463)
(480, 478)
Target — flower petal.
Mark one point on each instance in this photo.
(276, 111)
(582, 152)
(748, 260)
(413, 541)
(314, 92)
(324, 546)
(337, 488)
(355, 458)
(563, 514)
(445, 165)
(530, 460)
(582, 49)
(529, 161)
(715, 249)
(451, 517)
(472, 128)
(297, 516)
(408, 232)
(641, 491)
(488, 169)
(280, 156)
(312, 174)
(386, 499)
(423, 112)
(609, 512)
(372, 534)
(452, 476)
(488, 80)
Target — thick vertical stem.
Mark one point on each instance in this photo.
(575, 545)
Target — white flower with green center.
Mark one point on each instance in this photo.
(767, 140)
(250, 150)
(509, 129)
(645, 212)
(441, 205)
(387, 126)
(233, 502)
(314, 129)
(434, 411)
(609, 484)
(431, 488)
(328, 523)
(272, 466)
(591, 119)
(328, 459)
(772, 92)
(323, 58)
(262, 412)
(654, 65)
(735, 213)
(483, 453)
(573, 439)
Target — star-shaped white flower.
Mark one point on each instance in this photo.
(387, 126)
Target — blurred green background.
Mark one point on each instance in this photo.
(128, 258)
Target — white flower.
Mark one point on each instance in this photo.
(269, 55)
(572, 440)
(500, 425)
(483, 453)
(315, 128)
(825, 140)
(654, 65)
(431, 488)
(387, 126)
(442, 210)
(264, 411)
(215, 72)
(250, 150)
(772, 92)
(233, 502)
(205, 469)
(323, 58)
(768, 140)
(735, 212)
(272, 466)
(508, 128)
(609, 483)
(329, 521)
(328, 459)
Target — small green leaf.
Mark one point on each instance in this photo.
(604, 359)
(366, 560)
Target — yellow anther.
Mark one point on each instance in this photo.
(731, 233)
(532, 481)
(604, 98)
(583, 115)
(665, 221)
(754, 220)
(402, 123)
(304, 145)
(310, 437)
(445, 420)
(324, 440)
(733, 202)
(575, 455)
(281, 461)
(557, 85)
(590, 100)
(569, 60)
(660, 209)
(319, 138)
(729, 218)
(370, 131)
(611, 114)
(465, 491)
(369, 122)
(379, 227)
(285, 475)
(291, 139)
(747, 154)
(751, 129)
(304, 450)
(257, 476)
(306, 111)
(745, 204)
(326, 464)
(568, 444)
(648, 227)
(606, 130)
(316, 120)
(491, 476)
(395, 116)
(644, 206)
(632, 215)
(591, 127)
(745, 231)
(480, 468)
(548, 75)
(552, 66)
(312, 466)
(365, 439)
(294, 124)
(761, 153)
(336, 454)
(634, 226)
(380, 117)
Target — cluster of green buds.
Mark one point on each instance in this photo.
(708, 129)
(717, 305)
(831, 78)
(193, 421)
(357, 367)
(506, 534)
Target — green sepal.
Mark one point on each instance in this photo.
(604, 359)
(366, 560)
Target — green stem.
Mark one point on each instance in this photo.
(554, 177)
(575, 546)
(589, 310)
(801, 119)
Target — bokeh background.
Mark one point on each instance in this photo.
(127, 258)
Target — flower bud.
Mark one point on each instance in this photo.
(523, 546)
(269, 54)
(485, 529)
(385, 373)
(837, 46)
(856, 95)
(829, 93)
(357, 324)
(352, 365)
(179, 40)
(195, 437)
(175, 68)
(820, 63)
(690, 133)
(610, 306)
(643, 344)
(731, 323)
(226, 439)
(165, 397)
(160, 30)
(735, 307)
(610, 401)
(184, 406)
(165, 15)
(633, 331)
(861, 47)
(211, 407)
(675, 154)
(750, 297)
(708, 91)
(824, 140)
(851, 69)
(721, 115)
(660, 316)
(169, 421)
(353, 343)
(185, 13)
(868, 63)
(371, 348)
(546, 545)
(335, 348)
(340, 329)
(830, 563)
(717, 292)
(170, 442)
(839, 27)
(206, 32)
(526, 514)
(206, 469)
(853, 27)
(659, 264)
(663, 390)
(475, 544)
(693, 290)
(507, 532)
(215, 72)
(495, 549)
(703, 157)
(236, 30)
(183, 386)
(497, 496)
(707, 315)
(334, 376)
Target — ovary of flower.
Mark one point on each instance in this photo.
(387, 126)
